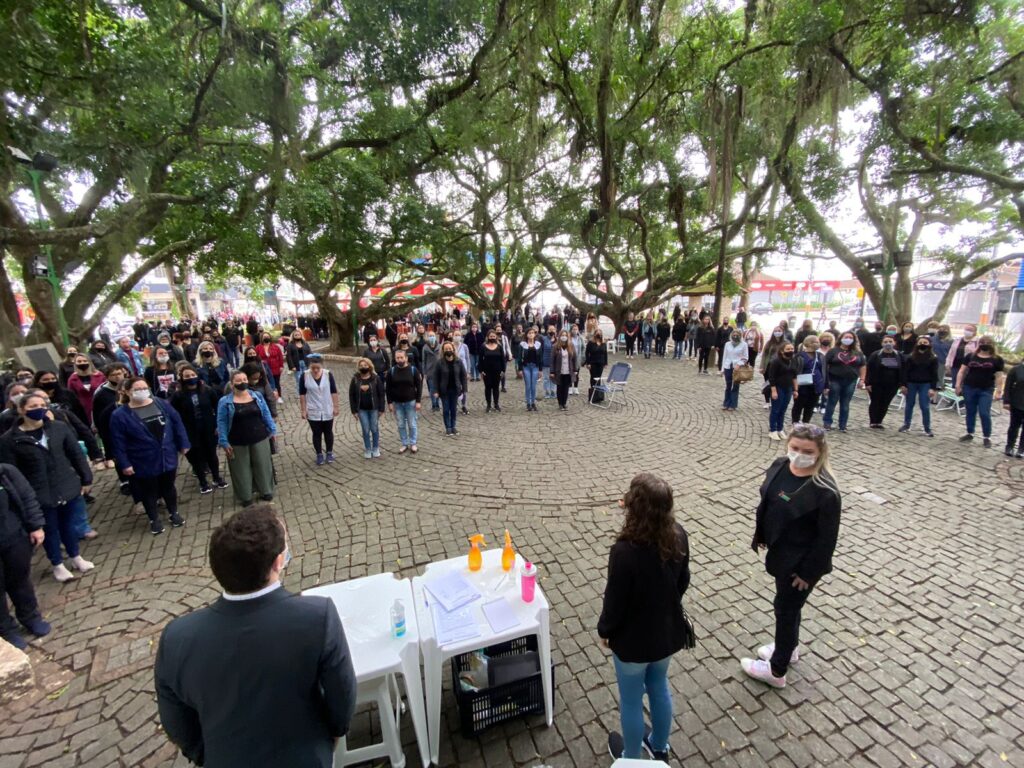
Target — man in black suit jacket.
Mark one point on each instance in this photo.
(261, 677)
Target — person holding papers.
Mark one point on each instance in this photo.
(642, 620)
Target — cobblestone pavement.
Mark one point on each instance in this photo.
(913, 644)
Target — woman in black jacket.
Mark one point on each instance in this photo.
(21, 530)
(678, 336)
(798, 523)
(491, 364)
(919, 382)
(882, 381)
(781, 373)
(48, 455)
(595, 358)
(706, 338)
(642, 619)
(196, 403)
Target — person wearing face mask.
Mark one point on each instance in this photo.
(462, 352)
(845, 368)
(244, 430)
(367, 398)
(723, 334)
(579, 345)
(404, 389)
(770, 352)
(378, 356)
(797, 522)
(210, 368)
(491, 365)
(707, 335)
(430, 354)
(942, 341)
(24, 376)
(450, 380)
(226, 674)
(21, 531)
(66, 367)
(564, 364)
(47, 453)
(273, 357)
(806, 329)
(1013, 401)
(631, 330)
(869, 341)
(100, 355)
(787, 334)
(298, 351)
(907, 340)
(148, 438)
(648, 330)
(259, 382)
(920, 380)
(980, 380)
(532, 353)
(547, 342)
(196, 403)
(161, 375)
(678, 337)
(83, 384)
(782, 373)
(506, 348)
(810, 382)
(884, 377)
(130, 356)
(104, 402)
(595, 358)
(10, 414)
(474, 340)
(174, 352)
(734, 353)
(959, 349)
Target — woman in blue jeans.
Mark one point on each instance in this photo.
(642, 620)
(920, 381)
(366, 398)
(979, 379)
(845, 369)
(532, 357)
(781, 373)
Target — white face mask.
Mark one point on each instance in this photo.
(968, 334)
(801, 460)
(140, 395)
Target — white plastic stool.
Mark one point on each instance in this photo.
(390, 711)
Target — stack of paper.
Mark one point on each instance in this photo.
(500, 615)
(452, 627)
(452, 591)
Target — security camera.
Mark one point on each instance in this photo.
(42, 161)
(19, 156)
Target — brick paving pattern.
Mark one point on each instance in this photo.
(912, 645)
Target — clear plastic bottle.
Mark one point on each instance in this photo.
(398, 619)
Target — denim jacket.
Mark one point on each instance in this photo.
(226, 414)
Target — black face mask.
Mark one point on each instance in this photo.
(207, 353)
(923, 347)
(82, 368)
(449, 356)
(241, 387)
(190, 383)
(251, 359)
(364, 371)
(985, 348)
(48, 386)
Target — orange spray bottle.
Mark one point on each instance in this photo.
(508, 555)
(476, 560)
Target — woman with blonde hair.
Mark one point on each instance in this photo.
(798, 524)
(591, 326)
(211, 369)
(367, 401)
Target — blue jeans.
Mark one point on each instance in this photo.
(370, 422)
(232, 355)
(450, 406)
(530, 382)
(777, 415)
(434, 402)
(732, 391)
(474, 372)
(635, 680)
(407, 418)
(918, 391)
(298, 373)
(59, 527)
(979, 403)
(677, 350)
(839, 391)
(550, 390)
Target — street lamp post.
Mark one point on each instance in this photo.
(35, 167)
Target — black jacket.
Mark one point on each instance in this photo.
(918, 371)
(805, 539)
(377, 392)
(294, 355)
(441, 376)
(181, 401)
(19, 511)
(642, 616)
(381, 361)
(1013, 389)
(706, 336)
(56, 473)
(259, 682)
(678, 330)
(403, 385)
(781, 373)
(595, 354)
(878, 375)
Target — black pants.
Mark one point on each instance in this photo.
(16, 582)
(203, 456)
(149, 489)
(788, 603)
(702, 358)
(323, 433)
(659, 347)
(564, 381)
(1016, 422)
(596, 372)
(492, 387)
(803, 404)
(630, 344)
(766, 391)
(881, 395)
(721, 352)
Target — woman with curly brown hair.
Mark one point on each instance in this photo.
(642, 620)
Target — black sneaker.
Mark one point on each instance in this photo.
(1008, 451)
(177, 521)
(966, 438)
(205, 489)
(653, 753)
(497, 408)
(455, 432)
(465, 412)
(616, 745)
(1020, 454)
(987, 442)
(267, 497)
(905, 428)
(222, 483)
(156, 528)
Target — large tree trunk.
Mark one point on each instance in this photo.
(339, 324)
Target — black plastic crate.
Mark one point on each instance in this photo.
(479, 710)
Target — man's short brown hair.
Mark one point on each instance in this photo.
(243, 548)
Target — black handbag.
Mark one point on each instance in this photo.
(689, 637)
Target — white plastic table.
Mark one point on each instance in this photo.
(533, 620)
(365, 609)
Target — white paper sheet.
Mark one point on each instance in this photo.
(454, 626)
(452, 590)
(500, 615)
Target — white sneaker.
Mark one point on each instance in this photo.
(766, 406)
(367, 454)
(765, 652)
(782, 435)
(376, 453)
(62, 574)
(81, 564)
(774, 436)
(762, 670)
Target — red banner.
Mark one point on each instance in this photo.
(794, 285)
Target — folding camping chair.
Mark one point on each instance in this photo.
(612, 384)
